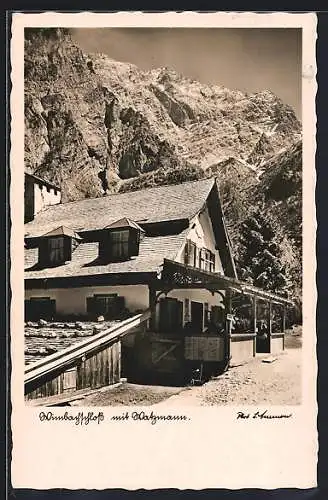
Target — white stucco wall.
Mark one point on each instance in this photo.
(241, 350)
(277, 345)
(201, 233)
(73, 300)
(44, 198)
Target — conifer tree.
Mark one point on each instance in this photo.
(260, 254)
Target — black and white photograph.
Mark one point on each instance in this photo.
(164, 232)
(163, 210)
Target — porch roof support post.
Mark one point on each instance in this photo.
(270, 318)
(283, 326)
(270, 325)
(228, 329)
(152, 306)
(283, 318)
(254, 322)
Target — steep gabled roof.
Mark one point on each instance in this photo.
(161, 203)
(153, 205)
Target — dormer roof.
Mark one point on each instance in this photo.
(123, 223)
(63, 231)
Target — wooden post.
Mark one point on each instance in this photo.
(283, 326)
(284, 319)
(270, 325)
(254, 323)
(152, 306)
(228, 304)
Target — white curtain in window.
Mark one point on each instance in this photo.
(119, 244)
(56, 249)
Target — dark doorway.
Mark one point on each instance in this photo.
(170, 315)
(197, 316)
(262, 337)
(263, 343)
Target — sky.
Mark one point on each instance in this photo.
(247, 59)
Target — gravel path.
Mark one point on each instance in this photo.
(254, 383)
(129, 394)
(276, 383)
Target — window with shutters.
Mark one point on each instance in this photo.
(111, 306)
(40, 308)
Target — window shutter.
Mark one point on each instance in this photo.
(213, 263)
(192, 253)
(27, 310)
(91, 306)
(195, 256)
(186, 253)
(52, 308)
(206, 314)
(120, 305)
(200, 258)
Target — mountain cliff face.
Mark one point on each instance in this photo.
(90, 119)
(94, 125)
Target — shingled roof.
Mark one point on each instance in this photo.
(161, 203)
(152, 252)
(179, 202)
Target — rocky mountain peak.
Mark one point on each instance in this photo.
(88, 115)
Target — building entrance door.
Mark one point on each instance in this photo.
(170, 315)
(197, 314)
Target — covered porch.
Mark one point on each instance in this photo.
(241, 322)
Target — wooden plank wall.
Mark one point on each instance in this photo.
(98, 370)
(204, 348)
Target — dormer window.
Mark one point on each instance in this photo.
(119, 244)
(120, 240)
(56, 247)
